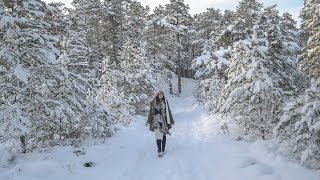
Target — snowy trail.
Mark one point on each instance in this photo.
(196, 150)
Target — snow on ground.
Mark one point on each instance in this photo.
(197, 149)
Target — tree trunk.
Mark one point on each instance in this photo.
(154, 49)
(179, 64)
(191, 75)
(170, 87)
(179, 81)
(23, 143)
(170, 83)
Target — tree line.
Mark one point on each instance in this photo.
(67, 74)
(259, 68)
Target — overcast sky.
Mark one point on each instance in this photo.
(197, 6)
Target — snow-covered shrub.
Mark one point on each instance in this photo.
(7, 157)
(42, 103)
(300, 126)
(211, 73)
(252, 94)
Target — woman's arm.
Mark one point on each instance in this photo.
(170, 115)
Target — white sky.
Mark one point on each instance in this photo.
(197, 6)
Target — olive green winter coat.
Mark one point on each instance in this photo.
(151, 115)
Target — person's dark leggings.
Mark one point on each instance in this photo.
(164, 139)
(163, 143)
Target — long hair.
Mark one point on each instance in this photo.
(158, 99)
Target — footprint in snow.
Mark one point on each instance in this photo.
(245, 162)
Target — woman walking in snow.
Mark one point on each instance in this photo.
(160, 120)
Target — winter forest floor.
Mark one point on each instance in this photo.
(196, 150)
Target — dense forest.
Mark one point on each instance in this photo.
(67, 74)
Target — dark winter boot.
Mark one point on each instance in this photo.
(159, 145)
(164, 140)
(159, 148)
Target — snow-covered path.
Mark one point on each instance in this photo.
(195, 151)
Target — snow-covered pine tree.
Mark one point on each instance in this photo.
(56, 16)
(74, 47)
(134, 23)
(77, 56)
(300, 123)
(210, 66)
(42, 103)
(247, 14)
(127, 85)
(74, 53)
(153, 32)
(311, 62)
(86, 17)
(74, 57)
(300, 126)
(113, 15)
(293, 49)
(226, 36)
(230, 27)
(308, 127)
(303, 80)
(207, 26)
(285, 129)
(283, 66)
(178, 22)
(303, 33)
(160, 47)
(138, 82)
(112, 95)
(252, 95)
(124, 72)
(291, 34)
(135, 27)
(211, 71)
